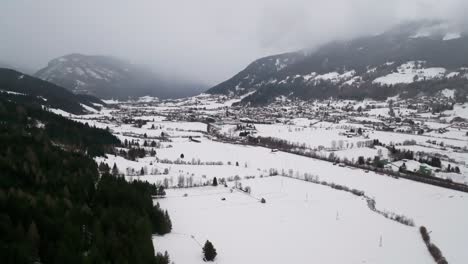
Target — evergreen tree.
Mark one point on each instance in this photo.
(209, 252)
(162, 259)
(115, 170)
(215, 182)
(168, 222)
(103, 167)
(161, 190)
(361, 160)
(402, 167)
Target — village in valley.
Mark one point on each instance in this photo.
(400, 164)
(230, 132)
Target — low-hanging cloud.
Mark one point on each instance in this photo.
(208, 40)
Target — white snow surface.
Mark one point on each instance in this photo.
(449, 93)
(452, 35)
(410, 72)
(300, 223)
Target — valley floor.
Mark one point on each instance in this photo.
(301, 222)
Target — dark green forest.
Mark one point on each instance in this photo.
(56, 207)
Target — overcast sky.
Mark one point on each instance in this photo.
(207, 40)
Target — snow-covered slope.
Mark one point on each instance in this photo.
(410, 72)
(402, 59)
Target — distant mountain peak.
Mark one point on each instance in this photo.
(110, 77)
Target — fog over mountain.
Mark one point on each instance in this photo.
(206, 42)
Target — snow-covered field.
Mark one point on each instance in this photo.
(301, 222)
(311, 134)
(436, 208)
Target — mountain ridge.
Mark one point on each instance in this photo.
(384, 63)
(24, 88)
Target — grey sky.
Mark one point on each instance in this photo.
(207, 40)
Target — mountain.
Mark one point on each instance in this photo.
(109, 77)
(418, 58)
(19, 87)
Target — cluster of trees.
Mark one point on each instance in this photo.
(246, 189)
(136, 122)
(432, 161)
(246, 126)
(277, 143)
(146, 143)
(54, 205)
(133, 153)
(438, 107)
(315, 179)
(245, 129)
(390, 215)
(455, 169)
(183, 181)
(433, 249)
(188, 181)
(152, 143)
(376, 162)
(399, 154)
(130, 143)
(192, 162)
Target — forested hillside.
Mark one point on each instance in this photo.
(55, 207)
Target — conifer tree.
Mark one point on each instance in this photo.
(115, 170)
(209, 252)
(168, 222)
